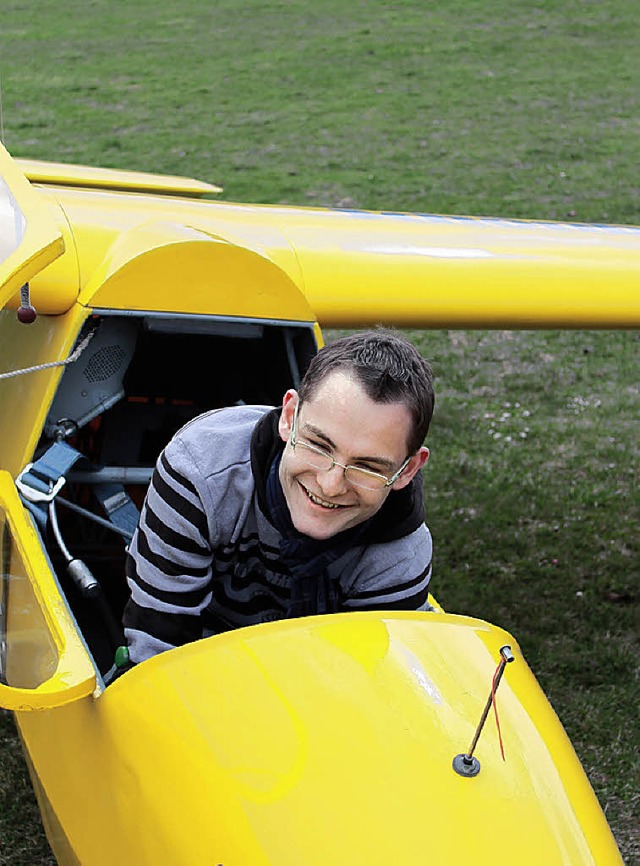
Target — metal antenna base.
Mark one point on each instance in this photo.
(466, 766)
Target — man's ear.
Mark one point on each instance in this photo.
(285, 423)
(414, 465)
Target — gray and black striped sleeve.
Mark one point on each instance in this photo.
(169, 565)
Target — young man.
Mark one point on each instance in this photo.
(256, 514)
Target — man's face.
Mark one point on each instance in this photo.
(344, 422)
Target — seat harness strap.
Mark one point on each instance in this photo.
(41, 481)
(118, 506)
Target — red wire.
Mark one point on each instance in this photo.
(495, 710)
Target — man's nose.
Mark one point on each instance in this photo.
(332, 481)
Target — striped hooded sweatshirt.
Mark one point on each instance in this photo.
(207, 556)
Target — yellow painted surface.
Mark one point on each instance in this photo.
(455, 272)
(90, 177)
(354, 267)
(364, 268)
(174, 268)
(29, 235)
(46, 662)
(317, 741)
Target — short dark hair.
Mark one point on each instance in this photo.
(389, 368)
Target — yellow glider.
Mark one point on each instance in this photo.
(314, 741)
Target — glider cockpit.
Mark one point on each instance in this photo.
(137, 380)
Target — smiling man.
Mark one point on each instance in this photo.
(256, 514)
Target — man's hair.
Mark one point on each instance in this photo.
(387, 366)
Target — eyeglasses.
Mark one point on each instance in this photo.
(319, 459)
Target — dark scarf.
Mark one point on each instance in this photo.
(307, 559)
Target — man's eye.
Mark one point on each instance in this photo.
(319, 445)
(366, 468)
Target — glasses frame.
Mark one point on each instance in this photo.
(388, 481)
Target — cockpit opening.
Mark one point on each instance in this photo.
(141, 378)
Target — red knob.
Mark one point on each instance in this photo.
(27, 315)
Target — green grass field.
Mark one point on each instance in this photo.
(509, 109)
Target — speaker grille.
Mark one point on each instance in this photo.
(104, 363)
